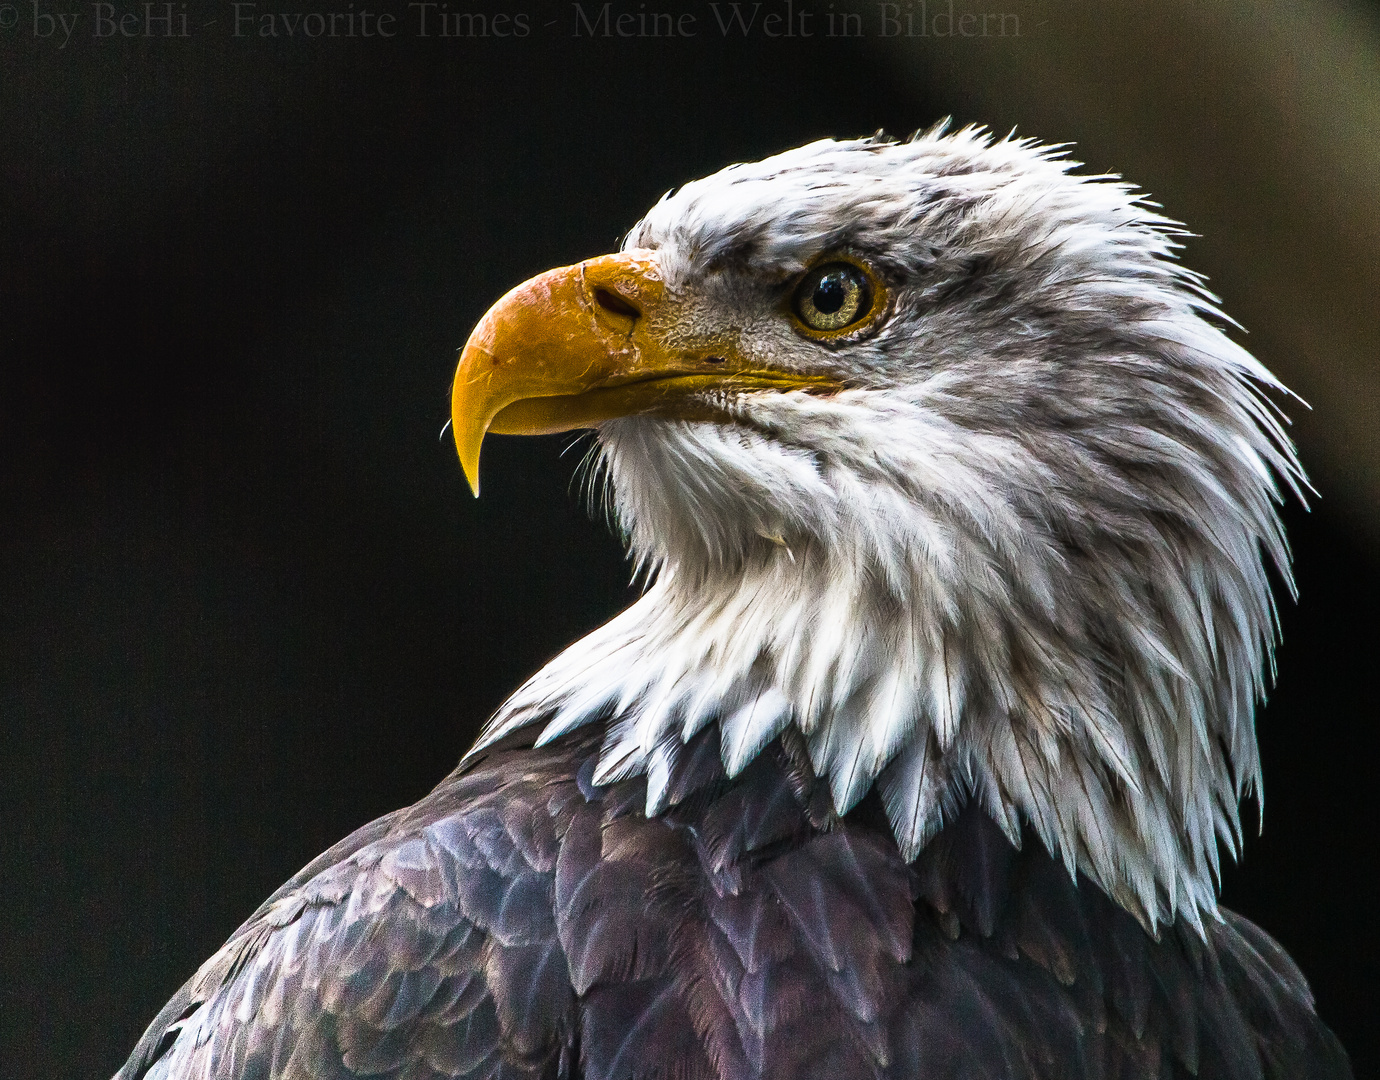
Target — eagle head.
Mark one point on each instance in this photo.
(931, 451)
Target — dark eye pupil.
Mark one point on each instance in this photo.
(830, 293)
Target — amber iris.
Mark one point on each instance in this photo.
(833, 297)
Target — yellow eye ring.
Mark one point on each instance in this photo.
(833, 297)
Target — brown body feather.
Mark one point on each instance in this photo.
(521, 922)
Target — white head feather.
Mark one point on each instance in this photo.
(1019, 560)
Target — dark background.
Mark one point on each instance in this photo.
(246, 601)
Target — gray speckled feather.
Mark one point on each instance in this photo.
(519, 922)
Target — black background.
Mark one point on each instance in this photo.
(246, 601)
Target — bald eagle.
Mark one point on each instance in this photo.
(915, 758)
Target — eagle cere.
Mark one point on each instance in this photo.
(955, 504)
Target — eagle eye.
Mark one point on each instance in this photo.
(833, 297)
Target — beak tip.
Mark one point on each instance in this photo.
(469, 438)
(471, 471)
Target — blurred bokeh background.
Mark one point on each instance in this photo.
(246, 602)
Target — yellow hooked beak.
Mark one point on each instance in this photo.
(586, 343)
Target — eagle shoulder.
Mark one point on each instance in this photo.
(422, 945)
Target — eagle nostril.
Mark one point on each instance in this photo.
(615, 304)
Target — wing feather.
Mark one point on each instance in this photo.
(427, 949)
